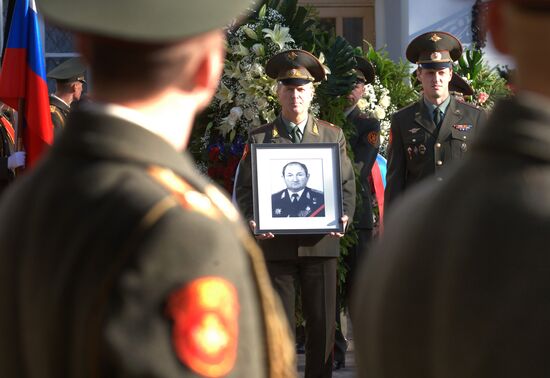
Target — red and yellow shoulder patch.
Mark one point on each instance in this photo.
(205, 332)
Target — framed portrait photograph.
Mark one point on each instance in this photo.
(297, 188)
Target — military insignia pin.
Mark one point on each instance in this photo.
(463, 127)
(414, 130)
(435, 55)
(278, 211)
(422, 149)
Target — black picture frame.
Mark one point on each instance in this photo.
(319, 207)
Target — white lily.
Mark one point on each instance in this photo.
(279, 35)
(250, 33)
(224, 94)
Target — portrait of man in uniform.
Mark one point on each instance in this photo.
(297, 200)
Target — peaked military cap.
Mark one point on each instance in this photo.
(296, 67)
(364, 70)
(70, 70)
(143, 20)
(435, 49)
(460, 85)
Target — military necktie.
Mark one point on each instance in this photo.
(438, 117)
(294, 198)
(296, 134)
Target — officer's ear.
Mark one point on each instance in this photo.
(495, 22)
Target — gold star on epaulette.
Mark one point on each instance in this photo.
(315, 129)
(275, 133)
(435, 38)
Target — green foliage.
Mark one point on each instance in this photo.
(488, 85)
(394, 76)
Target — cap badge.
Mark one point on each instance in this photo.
(293, 73)
(435, 55)
(292, 55)
(435, 38)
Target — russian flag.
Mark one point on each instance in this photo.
(23, 77)
(378, 174)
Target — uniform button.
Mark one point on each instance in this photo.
(438, 145)
(464, 137)
(439, 162)
(414, 140)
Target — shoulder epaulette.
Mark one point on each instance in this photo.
(463, 102)
(187, 196)
(325, 123)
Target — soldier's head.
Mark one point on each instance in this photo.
(296, 176)
(295, 72)
(69, 79)
(434, 53)
(365, 75)
(137, 50)
(520, 28)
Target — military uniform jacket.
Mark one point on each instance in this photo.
(59, 112)
(88, 262)
(292, 246)
(466, 262)
(6, 149)
(365, 144)
(418, 150)
(310, 204)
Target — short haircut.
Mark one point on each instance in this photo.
(126, 70)
(296, 163)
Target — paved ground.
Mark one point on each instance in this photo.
(347, 372)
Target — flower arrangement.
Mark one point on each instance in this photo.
(377, 103)
(246, 95)
(488, 85)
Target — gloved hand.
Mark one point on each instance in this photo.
(16, 160)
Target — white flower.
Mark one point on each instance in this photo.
(385, 101)
(379, 112)
(249, 114)
(258, 49)
(262, 102)
(224, 94)
(250, 33)
(279, 35)
(362, 104)
(240, 50)
(256, 69)
(233, 71)
(235, 114)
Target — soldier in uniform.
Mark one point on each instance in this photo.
(365, 143)
(309, 259)
(459, 285)
(9, 158)
(426, 136)
(297, 200)
(118, 258)
(69, 83)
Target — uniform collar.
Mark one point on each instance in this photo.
(443, 106)
(101, 135)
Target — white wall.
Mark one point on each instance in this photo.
(399, 21)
